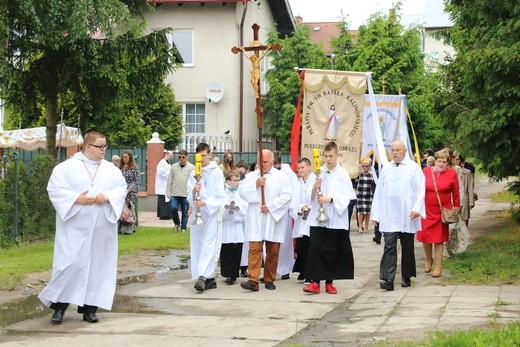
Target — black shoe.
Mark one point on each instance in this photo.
(252, 286)
(300, 277)
(243, 273)
(406, 282)
(262, 280)
(285, 277)
(200, 285)
(57, 317)
(210, 284)
(388, 285)
(90, 317)
(377, 240)
(230, 280)
(270, 286)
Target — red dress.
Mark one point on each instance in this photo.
(433, 229)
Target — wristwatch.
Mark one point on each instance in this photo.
(331, 200)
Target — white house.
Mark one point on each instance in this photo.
(213, 84)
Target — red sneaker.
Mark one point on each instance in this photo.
(329, 288)
(312, 287)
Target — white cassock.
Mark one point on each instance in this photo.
(266, 226)
(205, 239)
(85, 247)
(400, 190)
(336, 183)
(303, 197)
(161, 177)
(233, 223)
(286, 256)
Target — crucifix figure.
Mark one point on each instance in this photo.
(255, 47)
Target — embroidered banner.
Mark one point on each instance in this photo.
(391, 124)
(332, 110)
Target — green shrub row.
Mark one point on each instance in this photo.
(26, 201)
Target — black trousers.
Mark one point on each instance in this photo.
(302, 251)
(388, 265)
(230, 255)
(62, 306)
(163, 208)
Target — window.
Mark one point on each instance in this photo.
(195, 118)
(183, 42)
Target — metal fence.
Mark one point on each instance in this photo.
(139, 157)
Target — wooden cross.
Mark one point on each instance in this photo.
(255, 47)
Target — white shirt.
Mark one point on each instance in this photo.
(400, 190)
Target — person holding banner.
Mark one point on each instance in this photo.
(398, 203)
(330, 251)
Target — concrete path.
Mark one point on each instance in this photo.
(167, 310)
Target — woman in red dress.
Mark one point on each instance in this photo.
(434, 231)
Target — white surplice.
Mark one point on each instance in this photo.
(85, 247)
(336, 183)
(286, 255)
(233, 223)
(161, 177)
(269, 226)
(303, 197)
(205, 239)
(400, 190)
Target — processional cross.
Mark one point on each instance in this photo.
(255, 47)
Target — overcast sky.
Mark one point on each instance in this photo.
(357, 11)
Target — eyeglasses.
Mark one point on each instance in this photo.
(182, 157)
(102, 147)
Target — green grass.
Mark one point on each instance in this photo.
(17, 262)
(493, 258)
(505, 196)
(507, 336)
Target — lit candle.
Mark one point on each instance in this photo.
(316, 155)
(197, 164)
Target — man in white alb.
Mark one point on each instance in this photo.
(88, 194)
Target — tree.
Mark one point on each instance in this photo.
(392, 53)
(90, 57)
(284, 83)
(481, 91)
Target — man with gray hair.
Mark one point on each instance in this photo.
(397, 208)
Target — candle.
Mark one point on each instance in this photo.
(197, 164)
(316, 155)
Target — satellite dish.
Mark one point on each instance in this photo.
(214, 91)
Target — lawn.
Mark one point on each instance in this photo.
(17, 262)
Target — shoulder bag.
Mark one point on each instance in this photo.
(449, 216)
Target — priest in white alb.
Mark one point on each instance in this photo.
(88, 194)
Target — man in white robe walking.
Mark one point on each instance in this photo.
(265, 221)
(205, 239)
(397, 208)
(88, 194)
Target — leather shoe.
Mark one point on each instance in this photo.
(250, 285)
(200, 284)
(90, 317)
(210, 284)
(377, 240)
(388, 285)
(405, 282)
(285, 277)
(57, 317)
(270, 286)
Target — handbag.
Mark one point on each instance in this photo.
(449, 216)
(128, 214)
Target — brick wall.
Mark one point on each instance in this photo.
(155, 152)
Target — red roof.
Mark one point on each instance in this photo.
(322, 32)
(192, 1)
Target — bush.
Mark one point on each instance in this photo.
(35, 213)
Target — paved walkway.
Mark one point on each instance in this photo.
(167, 310)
